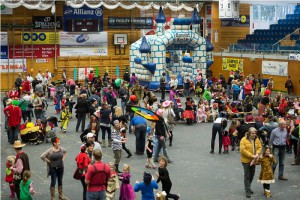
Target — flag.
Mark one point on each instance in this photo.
(117, 71)
(75, 73)
(97, 71)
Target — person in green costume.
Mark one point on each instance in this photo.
(207, 94)
(26, 186)
(118, 82)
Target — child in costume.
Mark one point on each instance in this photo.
(63, 102)
(26, 186)
(226, 141)
(112, 183)
(149, 151)
(57, 105)
(10, 161)
(266, 175)
(52, 91)
(126, 191)
(201, 114)
(188, 114)
(65, 116)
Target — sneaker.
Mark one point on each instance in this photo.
(248, 194)
(283, 178)
(170, 161)
(212, 152)
(64, 130)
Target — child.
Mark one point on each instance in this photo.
(65, 116)
(10, 161)
(26, 186)
(70, 102)
(266, 175)
(226, 141)
(209, 117)
(163, 176)
(52, 91)
(188, 114)
(233, 133)
(126, 191)
(112, 183)
(63, 102)
(149, 151)
(201, 114)
(57, 105)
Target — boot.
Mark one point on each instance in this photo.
(12, 191)
(212, 149)
(61, 196)
(109, 143)
(128, 152)
(117, 168)
(52, 192)
(220, 149)
(103, 143)
(171, 139)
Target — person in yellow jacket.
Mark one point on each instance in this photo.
(250, 148)
(65, 116)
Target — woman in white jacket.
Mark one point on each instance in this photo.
(169, 117)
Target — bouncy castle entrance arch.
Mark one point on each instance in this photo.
(148, 57)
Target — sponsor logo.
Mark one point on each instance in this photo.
(82, 38)
(98, 12)
(47, 19)
(149, 21)
(68, 11)
(112, 20)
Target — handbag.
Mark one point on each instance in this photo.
(170, 118)
(77, 174)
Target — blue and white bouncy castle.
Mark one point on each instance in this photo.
(148, 55)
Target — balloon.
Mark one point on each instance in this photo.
(31, 70)
(24, 69)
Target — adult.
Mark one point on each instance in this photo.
(24, 103)
(44, 83)
(29, 78)
(161, 132)
(169, 117)
(105, 123)
(247, 89)
(270, 84)
(14, 115)
(13, 94)
(162, 85)
(111, 97)
(126, 76)
(95, 96)
(59, 91)
(96, 178)
(93, 128)
(256, 99)
(39, 75)
(278, 143)
(260, 83)
(250, 148)
(38, 107)
(137, 90)
(139, 127)
(146, 187)
(64, 76)
(218, 127)
(48, 75)
(264, 102)
(21, 165)
(39, 88)
(296, 134)
(93, 107)
(26, 85)
(124, 95)
(149, 97)
(54, 157)
(235, 87)
(229, 81)
(34, 83)
(71, 85)
(18, 84)
(289, 85)
(82, 108)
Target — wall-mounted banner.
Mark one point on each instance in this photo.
(4, 39)
(40, 38)
(83, 13)
(82, 72)
(46, 22)
(5, 10)
(38, 51)
(229, 9)
(294, 56)
(4, 52)
(78, 39)
(233, 64)
(86, 51)
(15, 65)
(130, 23)
(275, 68)
(242, 21)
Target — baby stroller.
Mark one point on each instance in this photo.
(48, 128)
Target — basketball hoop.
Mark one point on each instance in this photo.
(122, 45)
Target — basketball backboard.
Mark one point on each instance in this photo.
(120, 39)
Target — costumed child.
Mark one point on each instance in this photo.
(266, 176)
(149, 151)
(57, 105)
(209, 117)
(41, 131)
(65, 116)
(10, 161)
(163, 176)
(188, 114)
(226, 141)
(201, 114)
(112, 183)
(63, 102)
(26, 186)
(126, 191)
(52, 91)
(70, 102)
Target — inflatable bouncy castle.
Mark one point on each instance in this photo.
(178, 50)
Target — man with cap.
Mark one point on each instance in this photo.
(21, 164)
(94, 96)
(14, 114)
(91, 137)
(139, 128)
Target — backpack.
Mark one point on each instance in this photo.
(170, 118)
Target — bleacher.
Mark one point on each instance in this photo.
(281, 37)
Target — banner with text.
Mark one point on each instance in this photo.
(4, 52)
(38, 51)
(242, 21)
(46, 22)
(4, 39)
(15, 65)
(130, 22)
(293, 56)
(275, 68)
(232, 64)
(40, 38)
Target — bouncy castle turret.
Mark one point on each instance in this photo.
(160, 22)
(196, 21)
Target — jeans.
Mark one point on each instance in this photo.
(56, 173)
(279, 154)
(123, 106)
(81, 120)
(235, 96)
(140, 138)
(161, 144)
(25, 115)
(249, 172)
(217, 128)
(103, 130)
(38, 114)
(228, 90)
(84, 187)
(100, 195)
(14, 132)
(163, 92)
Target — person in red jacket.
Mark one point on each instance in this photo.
(26, 86)
(13, 94)
(247, 88)
(14, 115)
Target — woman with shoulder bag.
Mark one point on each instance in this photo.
(169, 117)
(54, 157)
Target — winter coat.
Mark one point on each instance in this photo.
(266, 174)
(247, 151)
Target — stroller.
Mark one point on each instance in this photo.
(48, 128)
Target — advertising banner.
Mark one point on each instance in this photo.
(46, 22)
(82, 72)
(5, 10)
(38, 51)
(233, 64)
(78, 39)
(4, 39)
(243, 21)
(4, 52)
(275, 68)
(15, 65)
(294, 56)
(130, 23)
(84, 51)
(40, 38)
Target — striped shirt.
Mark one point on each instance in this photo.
(116, 140)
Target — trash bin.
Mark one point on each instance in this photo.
(265, 81)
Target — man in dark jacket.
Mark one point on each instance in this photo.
(82, 108)
(18, 84)
(124, 95)
(111, 100)
(162, 85)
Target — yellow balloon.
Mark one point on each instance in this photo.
(31, 70)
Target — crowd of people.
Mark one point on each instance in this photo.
(259, 122)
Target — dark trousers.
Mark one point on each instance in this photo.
(161, 144)
(105, 129)
(279, 155)
(56, 173)
(235, 96)
(14, 132)
(26, 115)
(292, 146)
(217, 128)
(289, 90)
(84, 186)
(81, 120)
(249, 172)
(140, 138)
(163, 92)
(17, 188)
(125, 149)
(167, 189)
(297, 159)
(38, 114)
(266, 186)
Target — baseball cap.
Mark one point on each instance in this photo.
(89, 135)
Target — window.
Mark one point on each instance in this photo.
(256, 13)
(267, 13)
